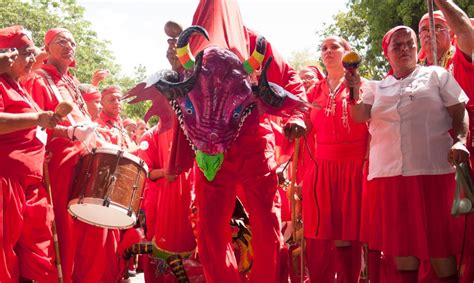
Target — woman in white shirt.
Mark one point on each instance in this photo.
(405, 212)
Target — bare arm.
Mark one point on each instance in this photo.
(460, 125)
(460, 24)
(156, 174)
(12, 122)
(360, 112)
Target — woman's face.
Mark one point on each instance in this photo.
(24, 62)
(332, 52)
(401, 52)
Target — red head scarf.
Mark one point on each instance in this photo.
(51, 34)
(388, 37)
(111, 90)
(223, 22)
(14, 37)
(93, 95)
(437, 15)
(128, 122)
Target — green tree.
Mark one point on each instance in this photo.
(39, 16)
(303, 58)
(138, 110)
(366, 22)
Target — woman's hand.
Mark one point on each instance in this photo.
(458, 154)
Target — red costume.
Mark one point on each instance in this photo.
(249, 162)
(458, 64)
(116, 133)
(334, 182)
(166, 204)
(26, 216)
(80, 244)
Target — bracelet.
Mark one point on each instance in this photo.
(73, 131)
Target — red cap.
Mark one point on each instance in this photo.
(128, 122)
(14, 37)
(51, 34)
(388, 37)
(437, 15)
(89, 96)
(111, 90)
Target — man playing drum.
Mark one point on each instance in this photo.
(49, 85)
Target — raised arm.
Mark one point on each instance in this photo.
(459, 23)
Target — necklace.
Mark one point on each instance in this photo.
(76, 95)
(331, 105)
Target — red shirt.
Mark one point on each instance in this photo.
(116, 133)
(21, 153)
(463, 72)
(155, 150)
(37, 84)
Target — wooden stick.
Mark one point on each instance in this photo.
(55, 232)
(434, 49)
(293, 200)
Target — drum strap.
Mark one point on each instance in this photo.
(57, 94)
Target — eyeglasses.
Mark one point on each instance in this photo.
(65, 43)
(425, 30)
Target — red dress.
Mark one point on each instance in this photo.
(25, 215)
(335, 179)
(166, 204)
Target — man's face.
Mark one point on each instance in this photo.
(111, 104)
(131, 130)
(62, 49)
(402, 49)
(308, 77)
(94, 107)
(141, 128)
(24, 61)
(443, 36)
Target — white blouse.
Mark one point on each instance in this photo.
(410, 123)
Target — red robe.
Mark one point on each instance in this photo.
(251, 155)
(166, 204)
(25, 215)
(81, 245)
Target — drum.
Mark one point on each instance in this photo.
(107, 189)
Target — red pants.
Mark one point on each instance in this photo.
(25, 231)
(215, 204)
(82, 246)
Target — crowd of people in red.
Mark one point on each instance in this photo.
(378, 170)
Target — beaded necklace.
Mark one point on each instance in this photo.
(76, 95)
(331, 105)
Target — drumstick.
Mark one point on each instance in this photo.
(55, 232)
(63, 109)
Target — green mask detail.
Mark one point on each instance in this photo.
(209, 164)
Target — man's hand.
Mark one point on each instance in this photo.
(47, 119)
(81, 132)
(171, 55)
(99, 76)
(294, 129)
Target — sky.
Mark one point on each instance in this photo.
(136, 28)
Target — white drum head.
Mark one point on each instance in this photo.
(91, 211)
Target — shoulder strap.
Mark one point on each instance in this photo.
(56, 93)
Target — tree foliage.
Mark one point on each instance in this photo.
(366, 22)
(92, 54)
(303, 58)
